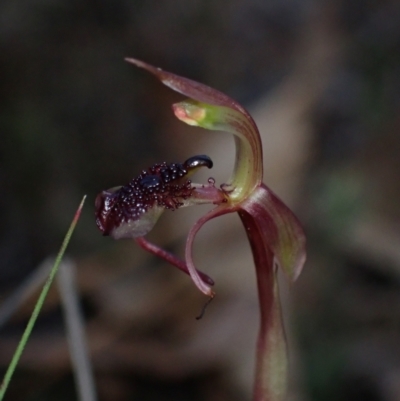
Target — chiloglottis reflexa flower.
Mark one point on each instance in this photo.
(276, 237)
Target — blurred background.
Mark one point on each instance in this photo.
(322, 80)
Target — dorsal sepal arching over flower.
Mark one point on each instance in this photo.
(212, 109)
(275, 234)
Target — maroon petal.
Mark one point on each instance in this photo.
(170, 258)
(203, 286)
(280, 229)
(190, 88)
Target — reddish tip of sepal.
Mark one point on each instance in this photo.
(79, 210)
(188, 87)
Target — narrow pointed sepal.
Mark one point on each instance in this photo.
(188, 87)
(198, 280)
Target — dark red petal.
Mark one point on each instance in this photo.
(280, 229)
(170, 258)
(196, 277)
(190, 88)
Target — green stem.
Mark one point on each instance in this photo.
(28, 330)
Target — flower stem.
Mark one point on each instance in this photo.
(271, 358)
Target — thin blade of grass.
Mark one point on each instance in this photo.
(39, 304)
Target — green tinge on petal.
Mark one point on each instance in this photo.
(247, 174)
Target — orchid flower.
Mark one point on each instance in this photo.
(276, 237)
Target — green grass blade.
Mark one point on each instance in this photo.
(39, 304)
